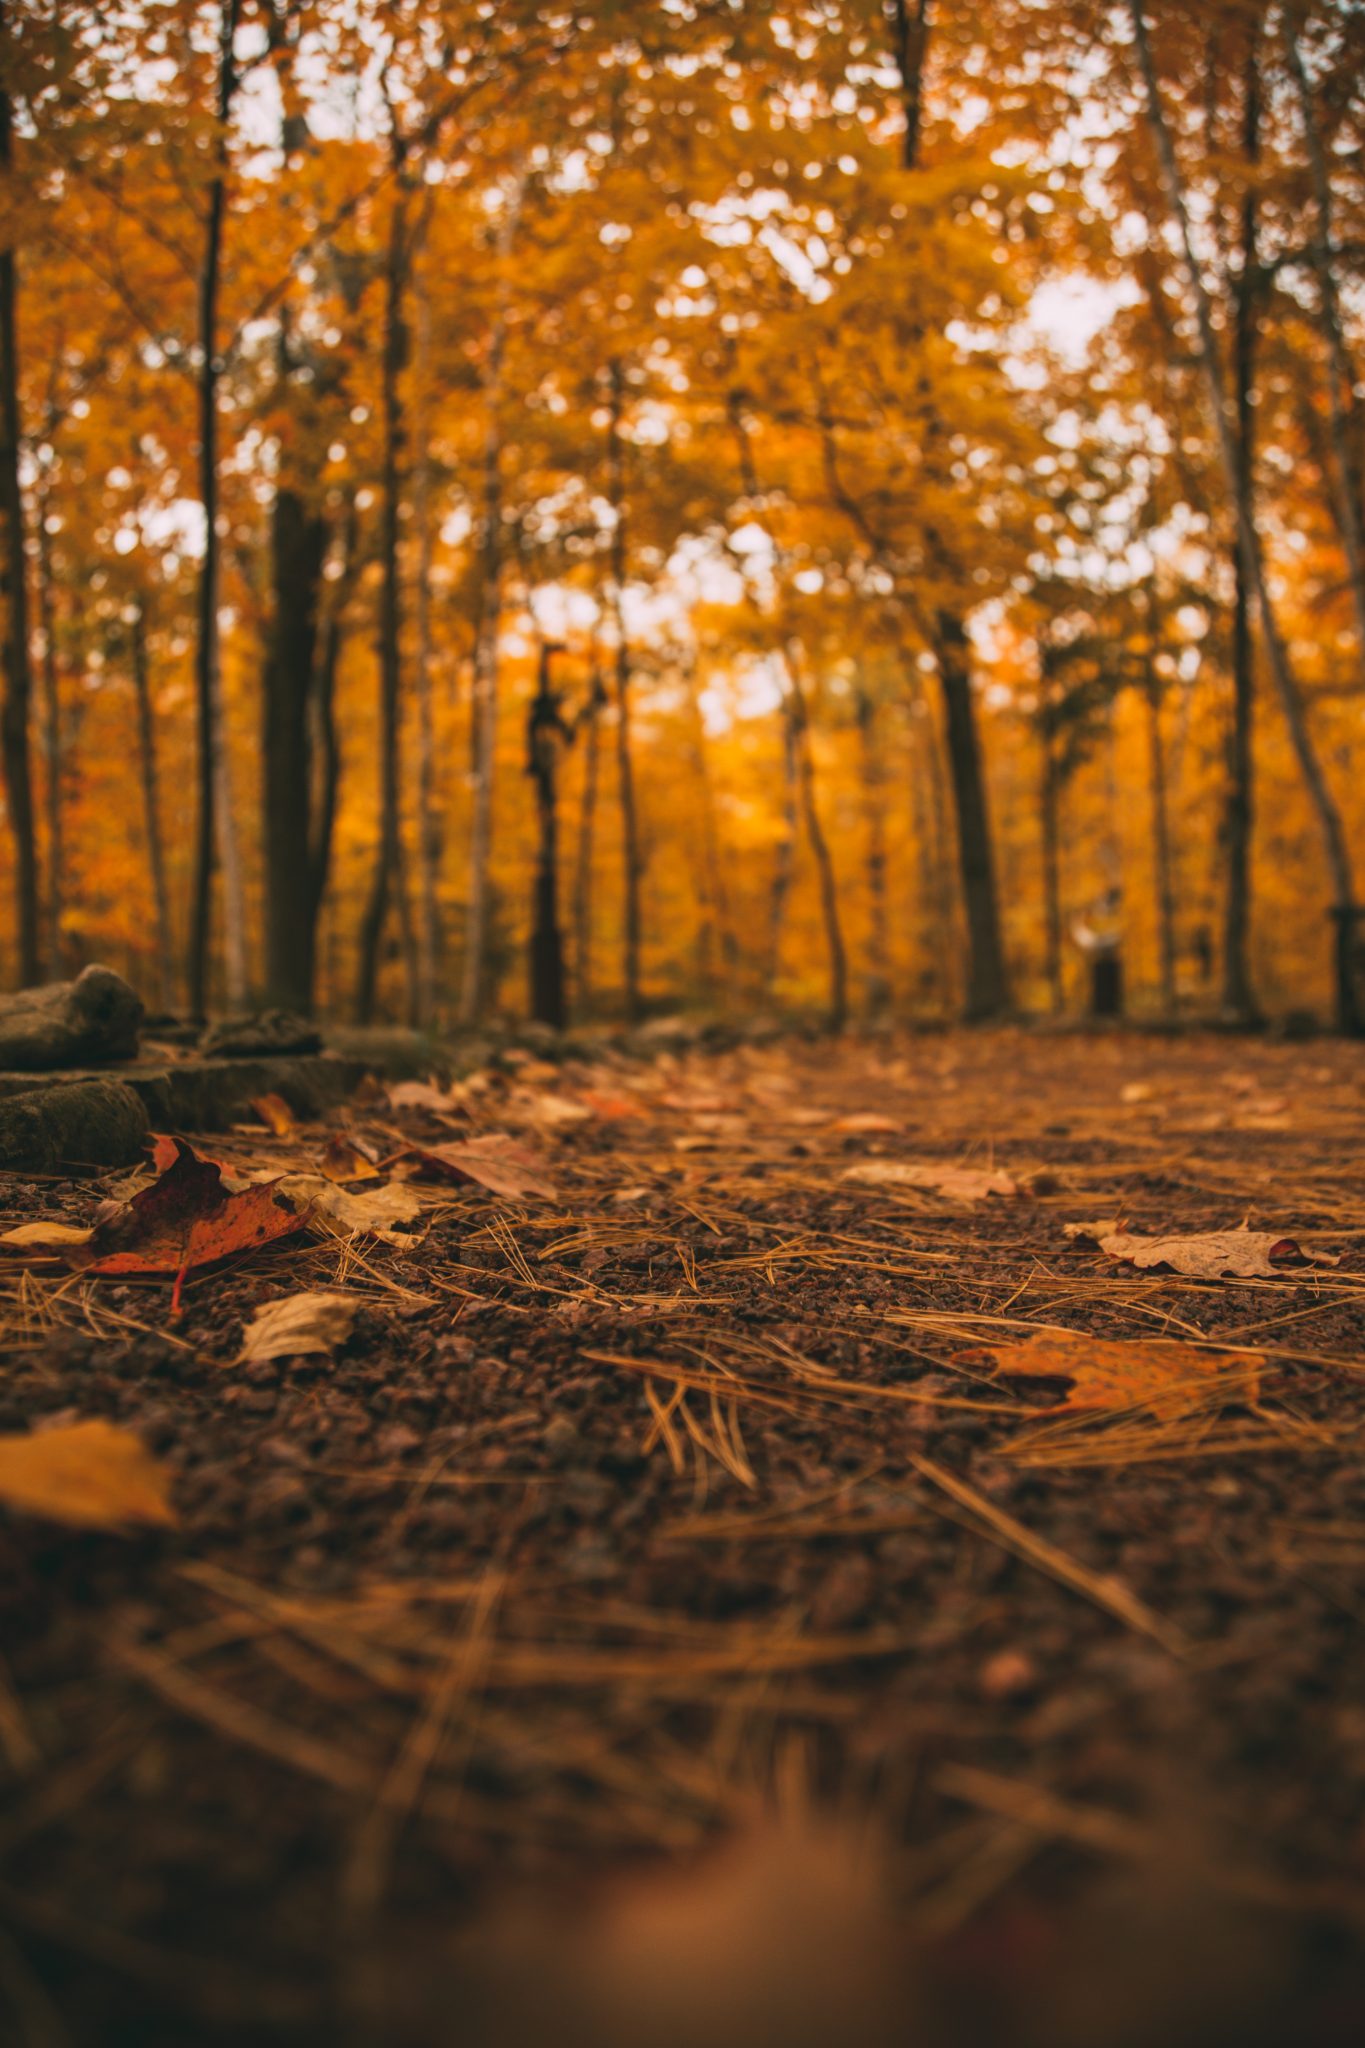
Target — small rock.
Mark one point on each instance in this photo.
(96, 1017)
(266, 1031)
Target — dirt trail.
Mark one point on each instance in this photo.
(688, 1505)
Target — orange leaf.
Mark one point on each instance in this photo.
(275, 1113)
(187, 1217)
(90, 1474)
(1109, 1374)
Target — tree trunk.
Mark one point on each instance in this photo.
(1161, 831)
(324, 748)
(544, 731)
(625, 765)
(987, 987)
(206, 645)
(151, 807)
(1239, 1001)
(1340, 370)
(386, 878)
(484, 694)
(872, 778)
(583, 859)
(1049, 805)
(785, 865)
(1324, 805)
(718, 951)
(428, 817)
(14, 715)
(910, 22)
(819, 846)
(53, 748)
(299, 547)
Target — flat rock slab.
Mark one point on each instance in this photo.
(87, 1118)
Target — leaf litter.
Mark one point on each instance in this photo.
(734, 1341)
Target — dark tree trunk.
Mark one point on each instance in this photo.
(910, 25)
(54, 749)
(14, 715)
(325, 750)
(387, 879)
(208, 737)
(785, 864)
(1161, 843)
(544, 732)
(987, 987)
(299, 539)
(583, 860)
(877, 981)
(717, 951)
(1239, 1001)
(625, 762)
(1049, 804)
(819, 846)
(149, 776)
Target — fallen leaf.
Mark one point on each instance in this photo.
(92, 1475)
(1136, 1091)
(422, 1095)
(553, 1109)
(955, 1183)
(275, 1113)
(613, 1109)
(386, 1212)
(492, 1162)
(343, 1159)
(1212, 1254)
(188, 1216)
(866, 1123)
(46, 1236)
(300, 1324)
(1108, 1373)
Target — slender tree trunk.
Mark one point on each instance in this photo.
(719, 951)
(872, 777)
(785, 864)
(53, 748)
(484, 693)
(386, 878)
(583, 858)
(324, 748)
(625, 763)
(910, 29)
(544, 731)
(236, 970)
(428, 817)
(15, 750)
(1049, 805)
(1239, 1001)
(819, 846)
(1161, 837)
(987, 987)
(1340, 370)
(299, 547)
(1335, 845)
(206, 645)
(149, 776)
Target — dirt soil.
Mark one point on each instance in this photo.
(662, 1621)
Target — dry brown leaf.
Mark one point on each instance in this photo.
(298, 1325)
(1211, 1255)
(954, 1183)
(275, 1113)
(492, 1162)
(1110, 1373)
(343, 1159)
(46, 1236)
(552, 1109)
(422, 1095)
(92, 1475)
(866, 1123)
(386, 1212)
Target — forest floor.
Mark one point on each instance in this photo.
(666, 1617)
